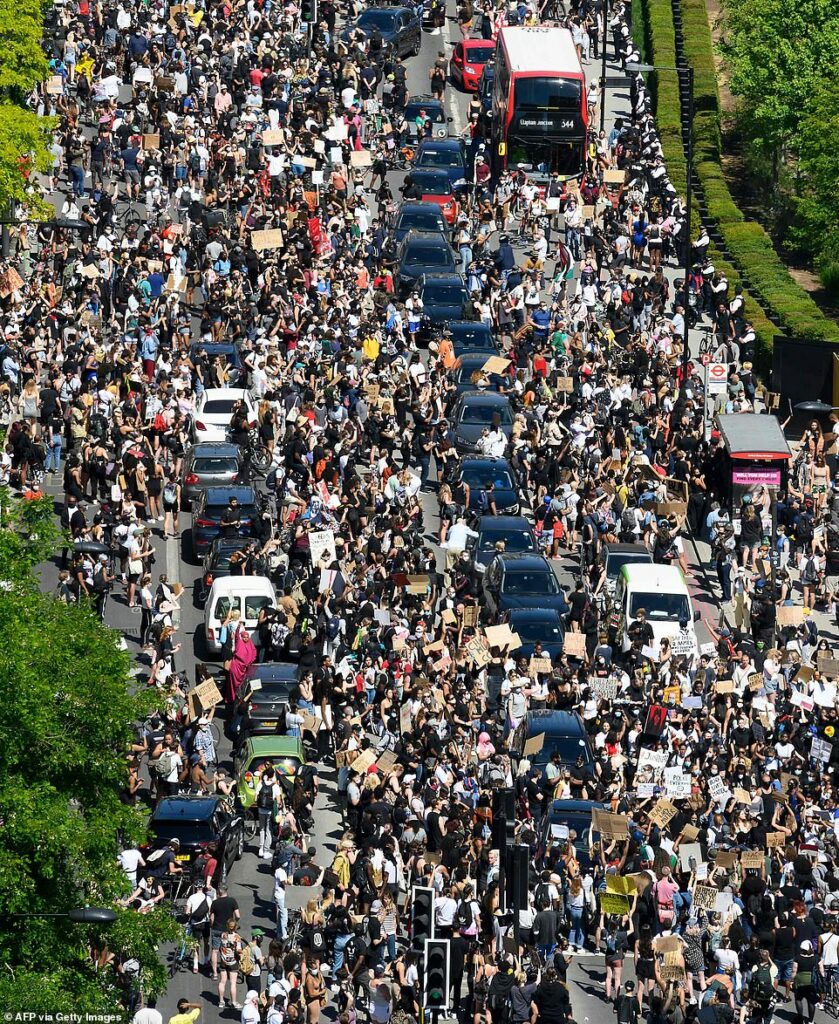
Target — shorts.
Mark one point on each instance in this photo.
(215, 938)
(784, 969)
(132, 177)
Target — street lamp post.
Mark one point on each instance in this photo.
(688, 71)
(603, 64)
(81, 915)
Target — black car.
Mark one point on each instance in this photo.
(200, 823)
(468, 365)
(515, 531)
(209, 510)
(471, 335)
(399, 27)
(444, 298)
(521, 581)
(435, 111)
(448, 155)
(422, 254)
(564, 733)
(414, 215)
(217, 564)
(276, 684)
(479, 472)
(543, 626)
(476, 411)
(563, 818)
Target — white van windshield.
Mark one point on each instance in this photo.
(660, 607)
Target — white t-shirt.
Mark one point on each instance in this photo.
(129, 861)
(280, 881)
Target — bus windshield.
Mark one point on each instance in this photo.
(548, 94)
(563, 158)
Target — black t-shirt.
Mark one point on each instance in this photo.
(784, 943)
(551, 1000)
(223, 908)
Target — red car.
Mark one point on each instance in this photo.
(468, 61)
(436, 187)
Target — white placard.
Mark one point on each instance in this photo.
(676, 783)
(317, 177)
(322, 542)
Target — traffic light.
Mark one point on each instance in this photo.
(422, 916)
(516, 876)
(309, 11)
(435, 989)
(503, 811)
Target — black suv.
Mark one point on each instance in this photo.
(200, 823)
(422, 253)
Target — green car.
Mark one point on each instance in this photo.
(283, 753)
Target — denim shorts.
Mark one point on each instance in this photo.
(215, 938)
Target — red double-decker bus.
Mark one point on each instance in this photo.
(539, 113)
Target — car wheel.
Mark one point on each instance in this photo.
(240, 846)
(417, 46)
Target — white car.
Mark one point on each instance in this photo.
(214, 411)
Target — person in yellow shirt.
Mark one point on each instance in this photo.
(187, 1013)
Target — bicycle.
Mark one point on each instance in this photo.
(177, 889)
(830, 995)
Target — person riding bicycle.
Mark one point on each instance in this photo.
(164, 860)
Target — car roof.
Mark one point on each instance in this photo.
(186, 808)
(476, 356)
(425, 239)
(424, 99)
(534, 614)
(484, 460)
(242, 584)
(558, 807)
(223, 393)
(668, 578)
(484, 398)
(637, 549)
(419, 174)
(439, 276)
(420, 205)
(274, 746)
(555, 723)
(524, 560)
(504, 522)
(214, 346)
(483, 44)
(222, 449)
(231, 543)
(462, 326)
(267, 670)
(441, 144)
(220, 495)
(388, 7)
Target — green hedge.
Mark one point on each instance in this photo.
(747, 242)
(661, 49)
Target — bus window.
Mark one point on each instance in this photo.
(548, 94)
(563, 158)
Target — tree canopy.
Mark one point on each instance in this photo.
(65, 719)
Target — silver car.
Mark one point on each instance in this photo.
(211, 464)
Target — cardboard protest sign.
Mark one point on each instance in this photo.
(502, 637)
(365, 760)
(564, 385)
(311, 723)
(742, 796)
(405, 721)
(624, 885)
(726, 858)
(477, 651)
(418, 584)
(790, 615)
(755, 681)
(705, 896)
(55, 85)
(386, 761)
(689, 833)
(89, 271)
(539, 666)
(470, 616)
(724, 686)
(448, 617)
(208, 693)
(495, 364)
(751, 859)
(775, 839)
(605, 689)
(534, 745)
(673, 968)
(662, 814)
(272, 137)
(361, 158)
(10, 281)
(270, 238)
(613, 176)
(826, 665)
(151, 141)
(610, 826)
(667, 944)
(574, 645)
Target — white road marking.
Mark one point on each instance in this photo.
(451, 92)
(173, 572)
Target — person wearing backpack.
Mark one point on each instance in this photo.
(229, 954)
(627, 1007)
(198, 924)
(762, 988)
(268, 798)
(252, 961)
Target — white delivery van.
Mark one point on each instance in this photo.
(662, 592)
(247, 594)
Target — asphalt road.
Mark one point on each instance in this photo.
(251, 882)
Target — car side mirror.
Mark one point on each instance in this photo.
(449, 119)
(696, 616)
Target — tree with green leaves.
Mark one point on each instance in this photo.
(777, 54)
(66, 717)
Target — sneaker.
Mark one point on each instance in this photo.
(236, 1006)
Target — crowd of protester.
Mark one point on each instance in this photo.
(714, 877)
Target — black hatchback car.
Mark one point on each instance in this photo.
(399, 27)
(217, 564)
(422, 253)
(211, 465)
(201, 824)
(209, 510)
(415, 215)
(272, 685)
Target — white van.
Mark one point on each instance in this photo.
(662, 592)
(248, 594)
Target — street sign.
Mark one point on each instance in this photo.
(716, 377)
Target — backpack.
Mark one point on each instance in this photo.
(164, 764)
(762, 988)
(170, 494)
(156, 855)
(201, 913)
(265, 797)
(246, 961)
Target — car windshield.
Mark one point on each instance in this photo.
(284, 766)
(433, 184)
(472, 337)
(532, 630)
(222, 558)
(484, 414)
(530, 582)
(434, 112)
(660, 607)
(569, 747)
(444, 294)
(514, 540)
(217, 511)
(186, 831)
(478, 54)
(429, 255)
(483, 475)
(218, 405)
(617, 559)
(440, 158)
(208, 465)
(383, 20)
(424, 221)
